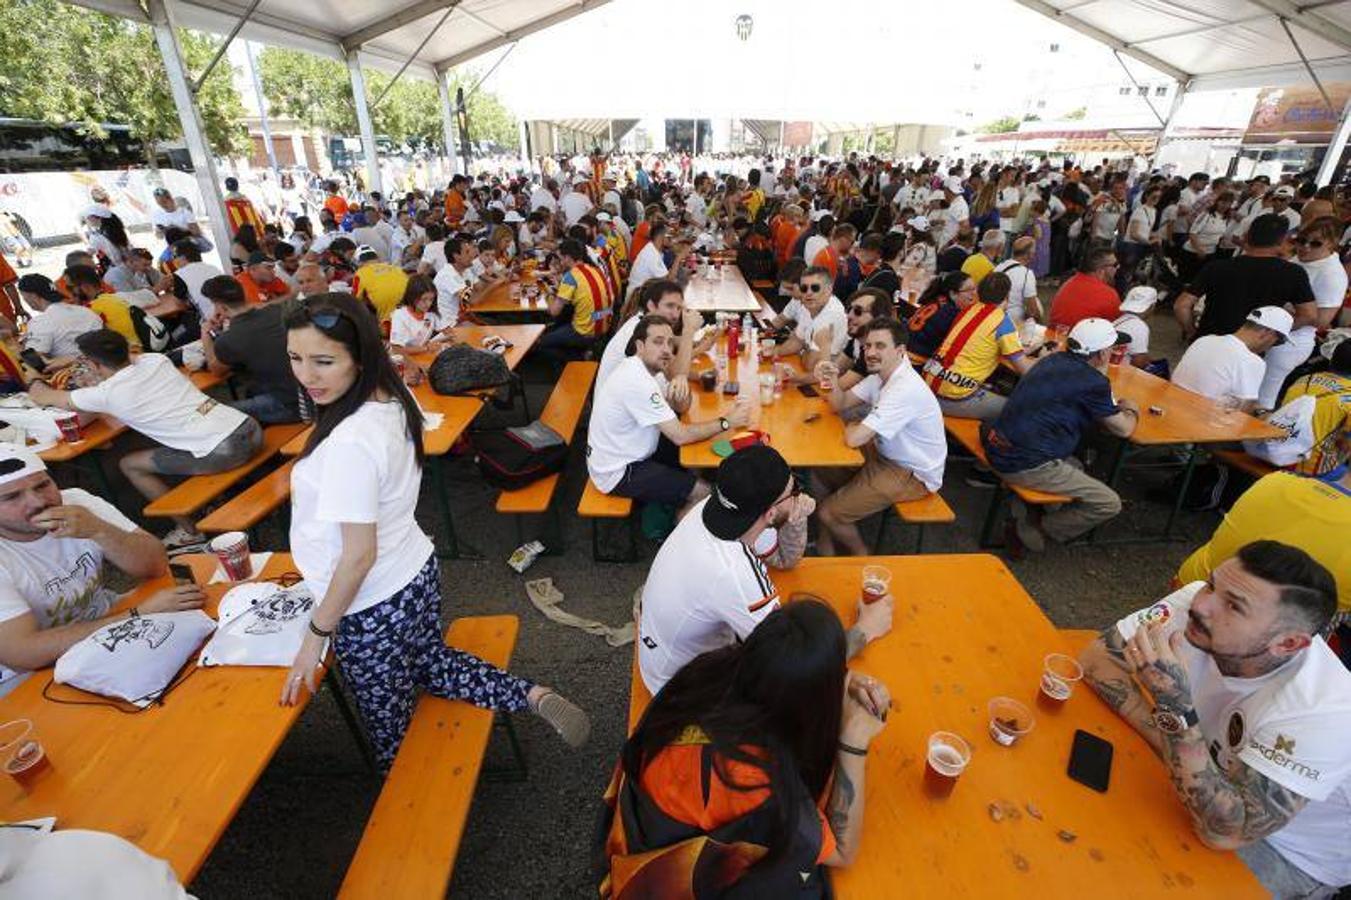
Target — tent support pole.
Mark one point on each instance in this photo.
(364, 122)
(447, 119)
(1328, 167)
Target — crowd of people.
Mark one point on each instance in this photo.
(904, 293)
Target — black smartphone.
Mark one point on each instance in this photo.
(182, 573)
(807, 390)
(33, 359)
(1091, 761)
(731, 387)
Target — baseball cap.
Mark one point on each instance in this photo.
(580, 179)
(97, 210)
(1094, 334)
(919, 223)
(819, 214)
(512, 216)
(17, 462)
(1274, 318)
(749, 482)
(604, 217)
(161, 192)
(1284, 190)
(1139, 299)
(257, 257)
(365, 252)
(953, 185)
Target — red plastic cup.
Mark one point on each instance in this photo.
(71, 432)
(232, 549)
(1118, 355)
(21, 753)
(947, 758)
(876, 583)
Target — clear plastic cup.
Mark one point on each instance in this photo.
(21, 753)
(1058, 676)
(1009, 721)
(948, 756)
(876, 583)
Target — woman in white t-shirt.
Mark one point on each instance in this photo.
(354, 491)
(414, 324)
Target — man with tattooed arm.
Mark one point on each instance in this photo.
(1230, 682)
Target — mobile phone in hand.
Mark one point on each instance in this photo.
(182, 573)
(807, 390)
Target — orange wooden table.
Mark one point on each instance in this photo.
(964, 632)
(168, 779)
(729, 293)
(819, 443)
(500, 300)
(1186, 418)
(522, 338)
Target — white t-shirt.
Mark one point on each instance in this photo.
(53, 331)
(1106, 219)
(697, 207)
(574, 206)
(908, 423)
(832, 315)
(646, 266)
(154, 398)
(364, 471)
(1291, 217)
(451, 286)
(614, 350)
(814, 245)
(400, 239)
(1011, 195)
(1137, 329)
(1023, 288)
(1327, 279)
(434, 255)
(1141, 224)
(1207, 228)
(540, 198)
(194, 275)
(1221, 367)
(702, 593)
(407, 330)
(175, 218)
(57, 579)
(1293, 726)
(628, 408)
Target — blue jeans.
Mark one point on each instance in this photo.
(563, 343)
(268, 409)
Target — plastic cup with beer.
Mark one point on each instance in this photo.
(1058, 677)
(825, 376)
(948, 756)
(71, 432)
(767, 389)
(21, 753)
(1009, 721)
(232, 549)
(876, 583)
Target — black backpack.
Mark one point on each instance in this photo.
(515, 457)
(460, 368)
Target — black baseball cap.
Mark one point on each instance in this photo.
(749, 482)
(258, 257)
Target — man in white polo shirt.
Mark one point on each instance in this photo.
(53, 545)
(904, 446)
(821, 327)
(1228, 368)
(710, 584)
(649, 263)
(634, 409)
(661, 297)
(1250, 711)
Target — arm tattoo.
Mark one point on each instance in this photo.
(792, 544)
(854, 642)
(842, 797)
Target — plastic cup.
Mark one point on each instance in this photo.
(71, 432)
(21, 753)
(766, 389)
(232, 549)
(767, 348)
(1058, 677)
(1009, 721)
(947, 758)
(1118, 355)
(708, 379)
(876, 582)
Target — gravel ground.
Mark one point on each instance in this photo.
(295, 833)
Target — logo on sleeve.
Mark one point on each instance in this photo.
(1284, 744)
(1279, 755)
(1158, 614)
(655, 400)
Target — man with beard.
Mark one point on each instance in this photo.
(53, 544)
(861, 309)
(664, 298)
(1230, 682)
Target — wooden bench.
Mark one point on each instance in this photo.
(187, 497)
(251, 505)
(931, 509)
(1237, 459)
(967, 433)
(562, 413)
(411, 839)
(595, 505)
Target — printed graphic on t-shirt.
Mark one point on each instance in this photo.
(85, 605)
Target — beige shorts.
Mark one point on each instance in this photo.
(859, 493)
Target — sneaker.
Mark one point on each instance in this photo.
(983, 479)
(1029, 535)
(565, 717)
(180, 540)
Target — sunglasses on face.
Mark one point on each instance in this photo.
(859, 310)
(1306, 242)
(813, 288)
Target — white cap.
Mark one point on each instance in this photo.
(1284, 190)
(1094, 334)
(512, 216)
(953, 185)
(29, 463)
(580, 179)
(919, 223)
(1274, 318)
(364, 251)
(604, 217)
(819, 214)
(96, 210)
(1139, 299)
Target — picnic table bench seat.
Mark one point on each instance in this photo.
(562, 413)
(251, 505)
(197, 491)
(1237, 459)
(967, 433)
(595, 506)
(408, 848)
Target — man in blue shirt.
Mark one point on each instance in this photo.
(1032, 441)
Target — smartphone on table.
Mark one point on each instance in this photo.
(1091, 761)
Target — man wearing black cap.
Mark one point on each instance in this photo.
(709, 585)
(260, 282)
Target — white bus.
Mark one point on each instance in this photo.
(47, 172)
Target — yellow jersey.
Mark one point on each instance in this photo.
(116, 314)
(382, 284)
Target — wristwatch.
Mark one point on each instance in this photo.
(723, 423)
(1170, 722)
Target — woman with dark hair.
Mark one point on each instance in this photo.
(108, 240)
(938, 309)
(354, 491)
(414, 324)
(245, 242)
(723, 775)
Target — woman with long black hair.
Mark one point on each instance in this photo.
(108, 240)
(739, 747)
(354, 538)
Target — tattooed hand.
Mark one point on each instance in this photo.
(1155, 664)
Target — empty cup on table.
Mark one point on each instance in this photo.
(21, 753)
(876, 583)
(948, 756)
(1009, 721)
(232, 549)
(1058, 676)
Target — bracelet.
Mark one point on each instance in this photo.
(853, 751)
(319, 632)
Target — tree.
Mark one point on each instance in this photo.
(64, 64)
(1031, 117)
(1001, 125)
(311, 89)
(1076, 114)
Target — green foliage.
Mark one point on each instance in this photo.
(1076, 114)
(67, 64)
(1001, 125)
(312, 89)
